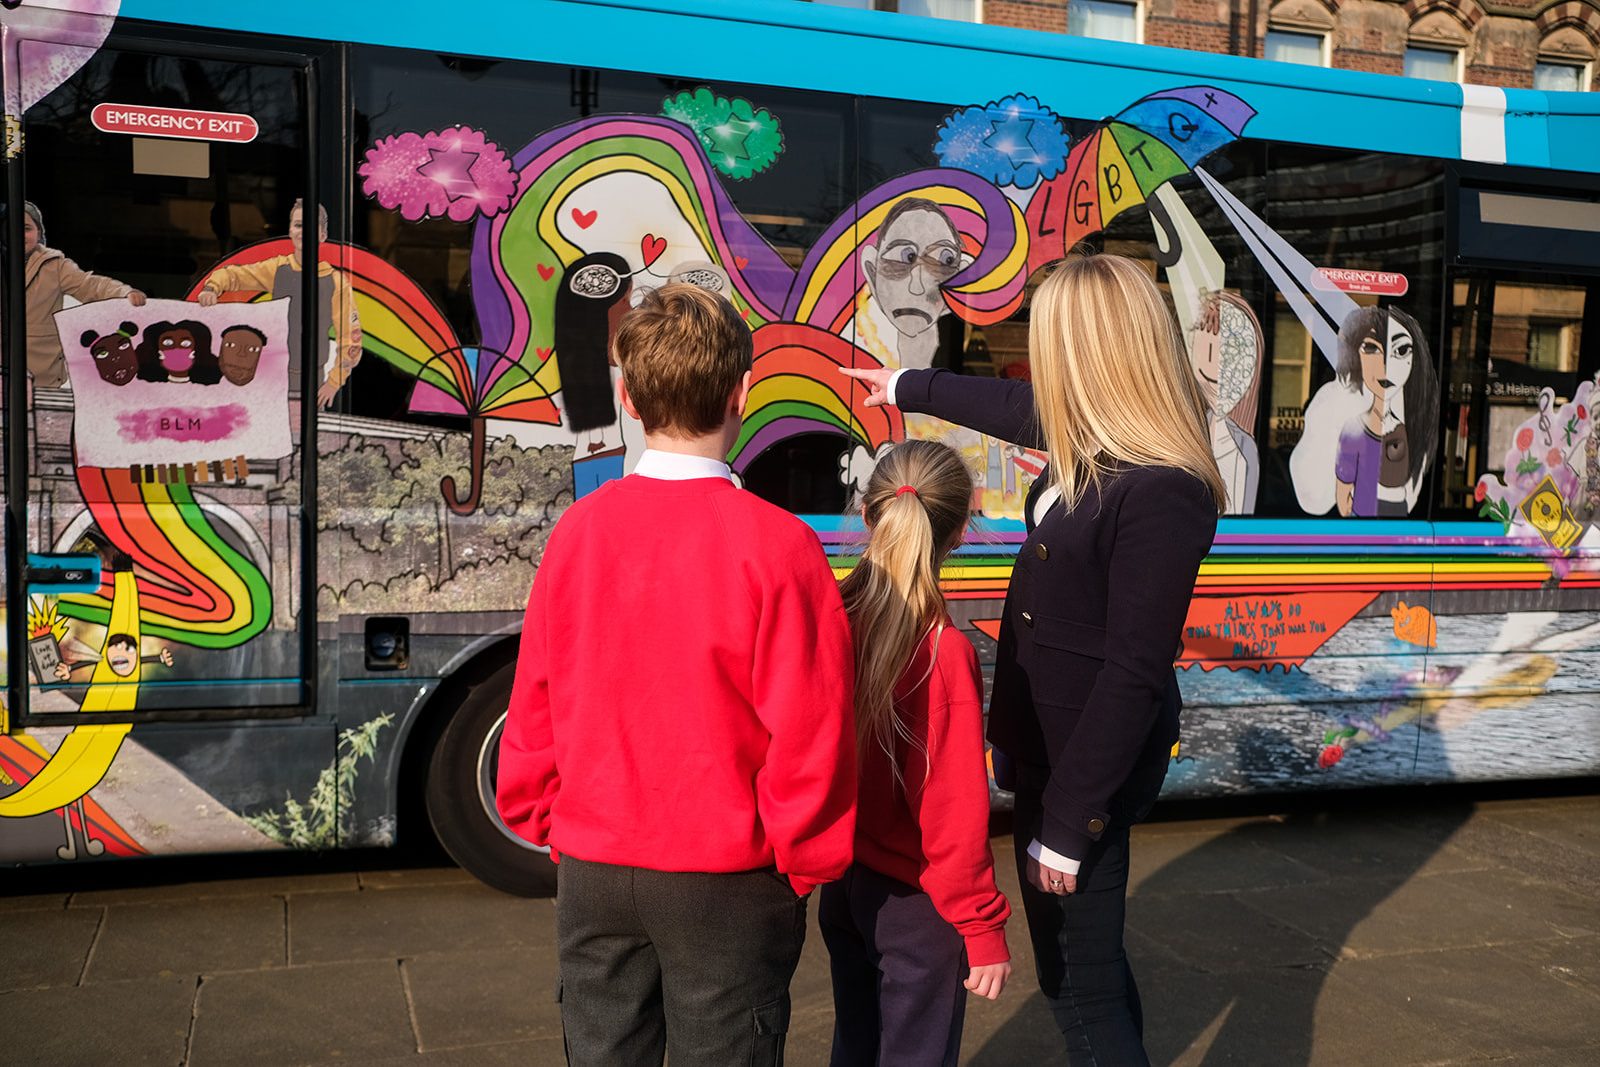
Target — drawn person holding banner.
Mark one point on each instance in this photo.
(279, 276)
(51, 278)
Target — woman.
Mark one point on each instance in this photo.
(50, 278)
(1085, 701)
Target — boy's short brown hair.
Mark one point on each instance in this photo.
(682, 352)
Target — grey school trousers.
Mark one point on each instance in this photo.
(693, 966)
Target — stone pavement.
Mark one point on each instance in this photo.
(1349, 931)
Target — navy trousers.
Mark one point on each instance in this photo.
(1078, 952)
(898, 970)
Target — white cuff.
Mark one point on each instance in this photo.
(894, 380)
(1053, 860)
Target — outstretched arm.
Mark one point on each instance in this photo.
(998, 407)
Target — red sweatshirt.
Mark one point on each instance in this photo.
(683, 696)
(933, 832)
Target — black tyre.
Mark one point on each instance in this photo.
(460, 796)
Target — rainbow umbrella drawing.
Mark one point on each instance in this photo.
(1126, 159)
(475, 383)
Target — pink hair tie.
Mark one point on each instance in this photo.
(904, 489)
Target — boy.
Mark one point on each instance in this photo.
(680, 731)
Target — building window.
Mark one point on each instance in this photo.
(1433, 64)
(1560, 77)
(1286, 46)
(1106, 20)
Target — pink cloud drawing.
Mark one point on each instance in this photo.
(454, 174)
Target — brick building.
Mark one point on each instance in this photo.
(1541, 44)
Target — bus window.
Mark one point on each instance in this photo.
(472, 262)
(164, 553)
(1365, 231)
(1520, 350)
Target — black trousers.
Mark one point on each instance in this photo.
(692, 966)
(1078, 952)
(898, 968)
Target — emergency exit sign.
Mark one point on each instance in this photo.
(174, 122)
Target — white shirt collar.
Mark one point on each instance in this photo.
(678, 467)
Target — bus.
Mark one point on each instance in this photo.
(265, 592)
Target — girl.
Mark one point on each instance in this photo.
(919, 909)
(1085, 700)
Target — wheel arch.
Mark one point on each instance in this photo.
(426, 720)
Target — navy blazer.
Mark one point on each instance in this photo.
(1085, 696)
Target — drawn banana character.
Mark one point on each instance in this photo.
(88, 751)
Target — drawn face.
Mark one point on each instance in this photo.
(240, 355)
(1205, 356)
(115, 358)
(122, 658)
(914, 257)
(30, 235)
(1386, 361)
(176, 351)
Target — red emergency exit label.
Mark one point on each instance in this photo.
(1379, 282)
(174, 122)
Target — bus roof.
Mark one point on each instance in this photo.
(787, 43)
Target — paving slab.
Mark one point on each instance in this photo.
(1570, 825)
(1574, 961)
(333, 882)
(460, 999)
(1587, 1056)
(1364, 917)
(1285, 1017)
(539, 1052)
(34, 902)
(199, 937)
(45, 948)
(415, 876)
(1508, 843)
(1198, 863)
(1358, 845)
(348, 1012)
(1215, 932)
(391, 923)
(130, 1024)
(1496, 1003)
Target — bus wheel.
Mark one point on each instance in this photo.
(460, 796)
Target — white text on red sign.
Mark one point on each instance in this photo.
(1380, 282)
(174, 122)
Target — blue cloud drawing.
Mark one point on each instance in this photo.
(1015, 141)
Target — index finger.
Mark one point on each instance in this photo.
(857, 373)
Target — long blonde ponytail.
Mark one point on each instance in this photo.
(916, 504)
(1111, 382)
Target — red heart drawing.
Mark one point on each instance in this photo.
(544, 353)
(584, 219)
(740, 262)
(651, 248)
(546, 273)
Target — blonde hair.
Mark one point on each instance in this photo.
(892, 597)
(1112, 383)
(682, 352)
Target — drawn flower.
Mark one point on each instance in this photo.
(1583, 412)
(1554, 458)
(1329, 756)
(738, 139)
(455, 174)
(1016, 141)
(1525, 438)
(1479, 491)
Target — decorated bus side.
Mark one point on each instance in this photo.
(1406, 586)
